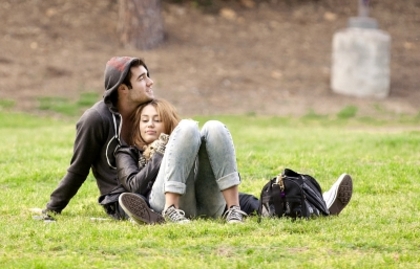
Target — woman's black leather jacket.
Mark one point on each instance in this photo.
(134, 177)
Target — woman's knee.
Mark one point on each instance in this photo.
(188, 129)
(213, 126)
(188, 125)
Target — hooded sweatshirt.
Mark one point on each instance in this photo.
(97, 135)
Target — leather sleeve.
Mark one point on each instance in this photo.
(130, 175)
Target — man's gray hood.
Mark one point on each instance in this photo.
(116, 70)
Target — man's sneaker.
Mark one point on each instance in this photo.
(176, 215)
(234, 215)
(138, 210)
(339, 195)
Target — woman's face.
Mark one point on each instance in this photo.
(151, 125)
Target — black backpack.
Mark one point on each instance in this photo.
(292, 195)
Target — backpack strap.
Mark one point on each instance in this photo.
(264, 198)
(278, 195)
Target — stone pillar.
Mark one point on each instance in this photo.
(361, 58)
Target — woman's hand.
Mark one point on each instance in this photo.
(158, 145)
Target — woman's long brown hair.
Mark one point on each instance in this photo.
(167, 114)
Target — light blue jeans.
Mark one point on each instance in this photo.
(198, 165)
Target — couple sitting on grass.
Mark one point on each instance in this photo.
(153, 167)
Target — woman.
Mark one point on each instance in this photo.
(191, 174)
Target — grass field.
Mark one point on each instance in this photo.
(380, 228)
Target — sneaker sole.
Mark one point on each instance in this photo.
(343, 195)
(235, 222)
(136, 208)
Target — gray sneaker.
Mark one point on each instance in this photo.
(138, 210)
(234, 215)
(176, 215)
(339, 195)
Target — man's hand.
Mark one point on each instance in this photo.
(47, 215)
(43, 214)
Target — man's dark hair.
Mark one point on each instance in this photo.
(127, 78)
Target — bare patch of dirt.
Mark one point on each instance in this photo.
(264, 57)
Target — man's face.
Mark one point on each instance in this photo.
(141, 84)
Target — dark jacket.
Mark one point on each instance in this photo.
(97, 135)
(135, 177)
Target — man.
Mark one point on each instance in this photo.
(99, 130)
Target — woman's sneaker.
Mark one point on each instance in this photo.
(234, 215)
(138, 210)
(172, 214)
(339, 195)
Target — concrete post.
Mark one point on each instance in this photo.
(361, 58)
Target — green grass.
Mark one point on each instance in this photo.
(67, 107)
(6, 104)
(380, 228)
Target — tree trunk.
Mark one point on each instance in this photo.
(140, 24)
